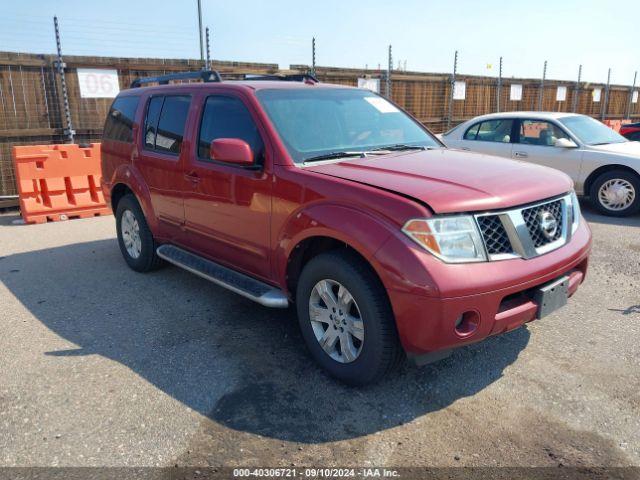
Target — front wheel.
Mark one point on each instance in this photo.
(346, 319)
(616, 193)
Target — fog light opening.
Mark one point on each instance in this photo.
(467, 323)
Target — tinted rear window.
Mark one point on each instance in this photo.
(165, 122)
(119, 123)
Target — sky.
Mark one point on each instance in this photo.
(424, 34)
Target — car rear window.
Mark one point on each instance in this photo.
(165, 122)
(119, 123)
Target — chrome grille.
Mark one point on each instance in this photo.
(521, 233)
(494, 234)
(532, 218)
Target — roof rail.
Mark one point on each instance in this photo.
(291, 77)
(204, 75)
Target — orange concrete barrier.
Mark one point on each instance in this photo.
(58, 182)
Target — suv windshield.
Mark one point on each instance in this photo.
(591, 131)
(314, 123)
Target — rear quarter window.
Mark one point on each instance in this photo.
(119, 123)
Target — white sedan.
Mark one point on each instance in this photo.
(604, 165)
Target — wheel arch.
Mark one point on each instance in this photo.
(309, 248)
(126, 179)
(323, 228)
(118, 191)
(588, 183)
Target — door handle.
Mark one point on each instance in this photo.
(466, 149)
(193, 177)
(521, 154)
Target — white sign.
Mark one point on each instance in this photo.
(516, 92)
(634, 98)
(98, 83)
(459, 90)
(561, 94)
(597, 93)
(382, 105)
(372, 84)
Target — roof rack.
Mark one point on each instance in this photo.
(204, 75)
(291, 77)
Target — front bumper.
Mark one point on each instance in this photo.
(428, 297)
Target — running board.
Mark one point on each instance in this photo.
(225, 277)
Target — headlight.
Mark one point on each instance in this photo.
(575, 206)
(452, 239)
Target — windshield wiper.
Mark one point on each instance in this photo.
(334, 155)
(399, 147)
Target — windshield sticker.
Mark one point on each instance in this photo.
(381, 105)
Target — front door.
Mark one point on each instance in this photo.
(161, 157)
(536, 141)
(228, 207)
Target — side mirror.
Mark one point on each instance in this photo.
(231, 150)
(565, 143)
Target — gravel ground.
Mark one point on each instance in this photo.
(102, 366)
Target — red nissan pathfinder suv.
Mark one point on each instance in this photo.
(289, 191)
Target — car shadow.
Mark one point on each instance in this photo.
(242, 365)
(593, 216)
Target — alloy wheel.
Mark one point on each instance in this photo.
(131, 234)
(336, 321)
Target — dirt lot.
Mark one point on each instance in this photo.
(102, 366)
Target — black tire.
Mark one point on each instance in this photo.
(624, 175)
(148, 260)
(381, 351)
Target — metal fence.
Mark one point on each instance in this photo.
(33, 109)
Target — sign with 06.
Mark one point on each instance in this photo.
(98, 83)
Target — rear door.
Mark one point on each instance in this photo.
(228, 207)
(535, 143)
(489, 136)
(161, 158)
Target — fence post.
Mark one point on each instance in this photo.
(635, 78)
(200, 31)
(208, 64)
(389, 69)
(541, 97)
(313, 56)
(69, 131)
(576, 90)
(499, 98)
(605, 106)
(453, 83)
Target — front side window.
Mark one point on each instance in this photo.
(228, 117)
(491, 131)
(165, 123)
(540, 133)
(319, 121)
(119, 123)
(591, 131)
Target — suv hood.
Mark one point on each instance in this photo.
(451, 181)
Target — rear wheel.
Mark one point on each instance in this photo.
(346, 319)
(616, 193)
(134, 236)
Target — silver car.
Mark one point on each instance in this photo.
(604, 165)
